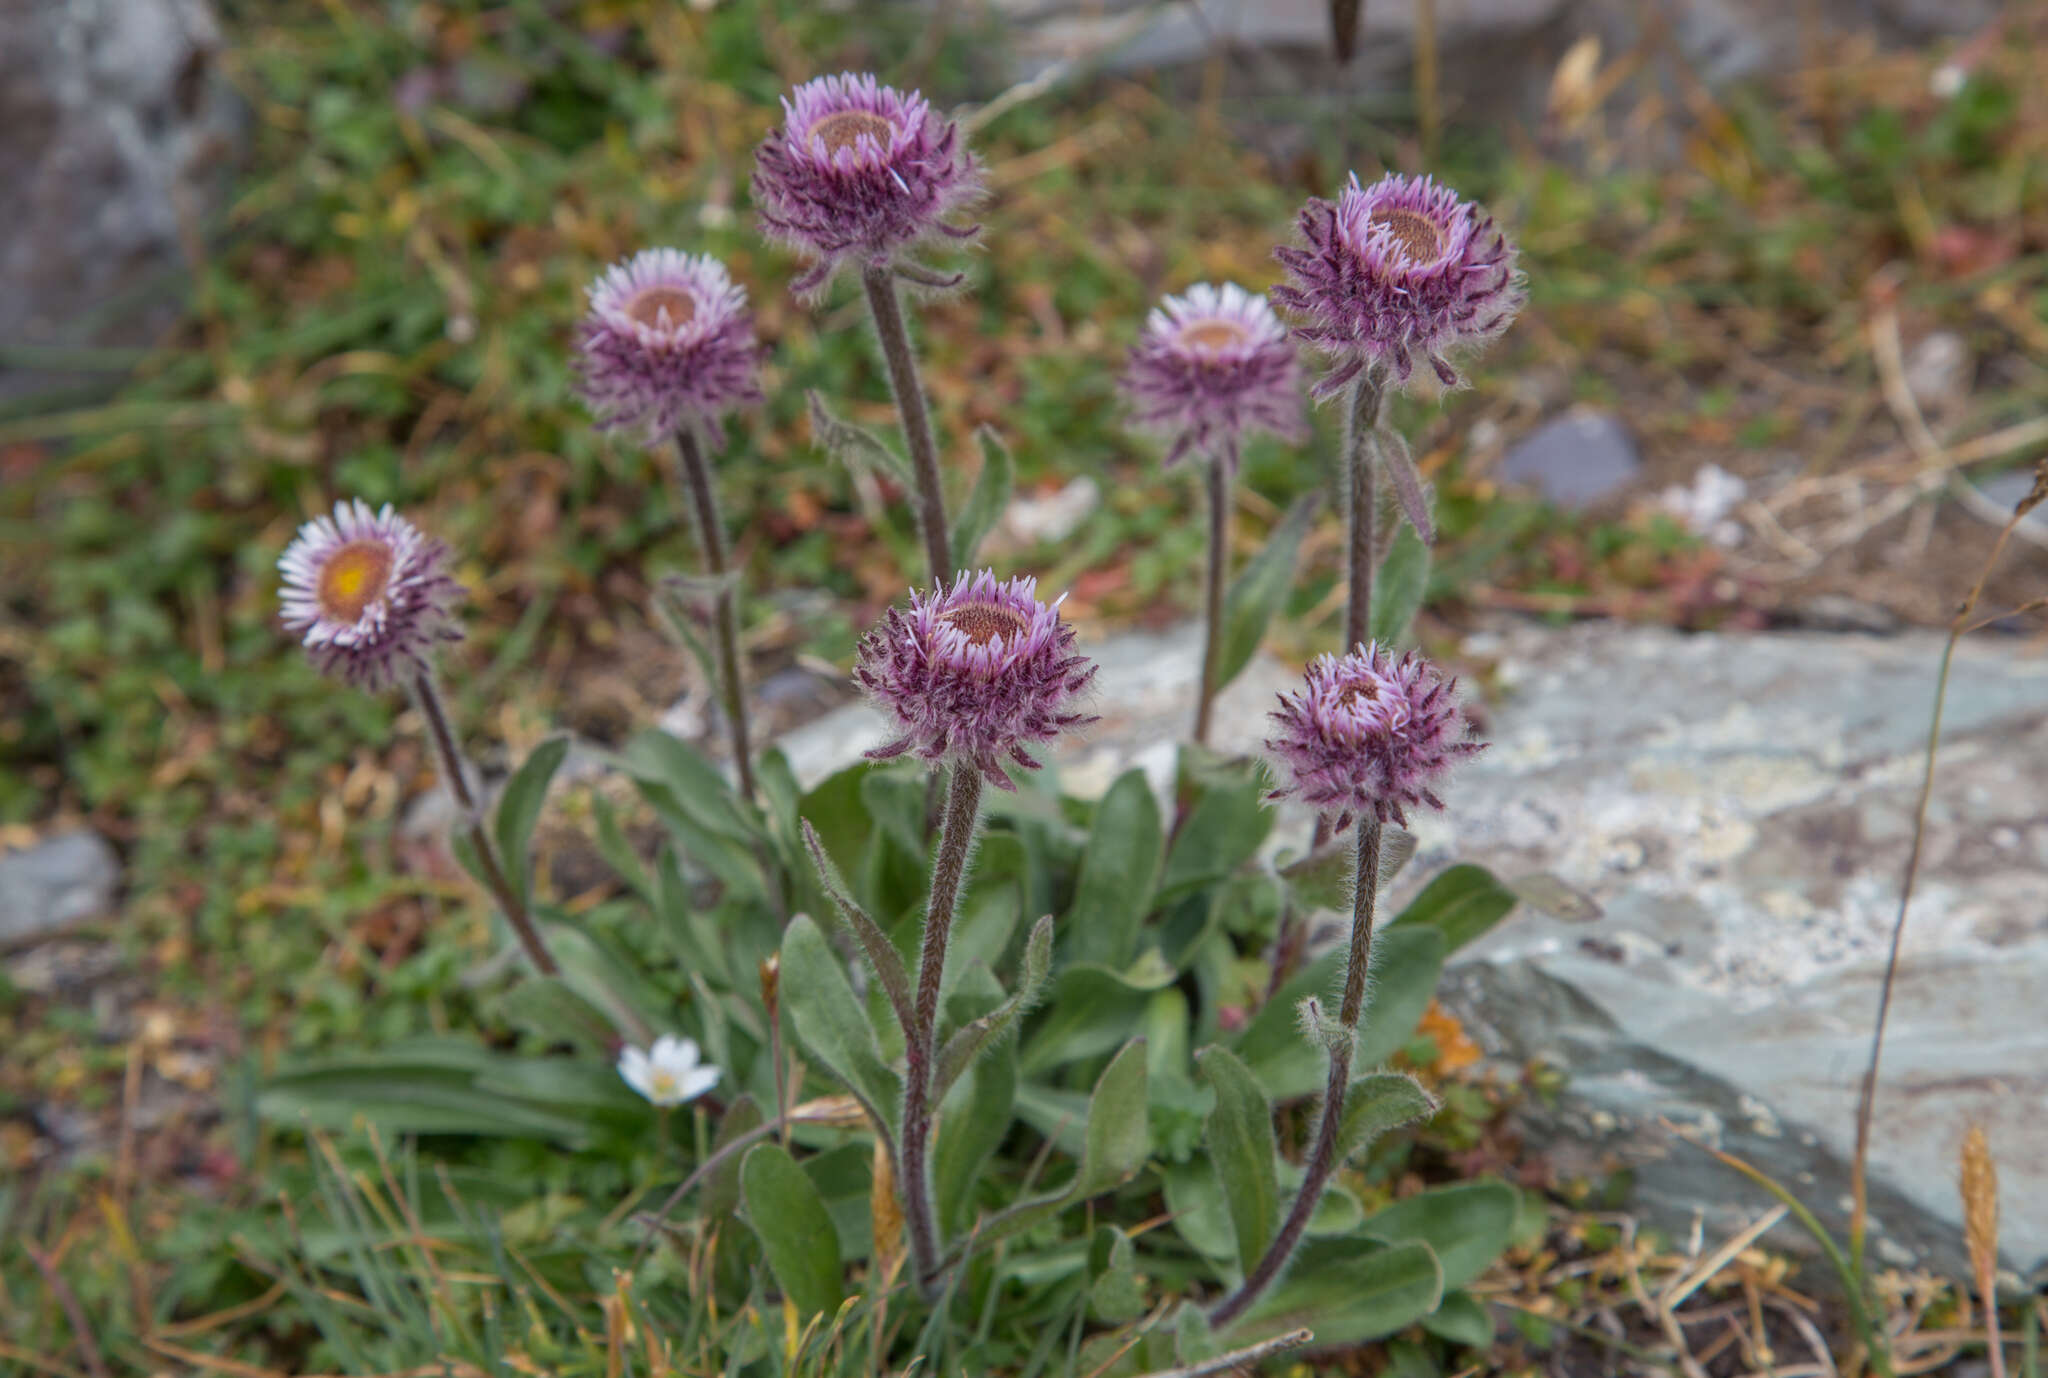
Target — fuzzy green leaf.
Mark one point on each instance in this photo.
(991, 496)
(831, 1023)
(883, 958)
(1240, 1144)
(1462, 903)
(519, 809)
(855, 446)
(1379, 1104)
(1397, 591)
(789, 1217)
(1467, 1225)
(1259, 590)
(1118, 872)
(1115, 1145)
(721, 1190)
(970, 1041)
(1347, 1291)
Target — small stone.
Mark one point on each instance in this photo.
(55, 884)
(1574, 460)
(1938, 372)
(1708, 504)
(1051, 519)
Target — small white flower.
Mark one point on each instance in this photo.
(669, 1073)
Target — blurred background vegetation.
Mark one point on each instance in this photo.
(383, 310)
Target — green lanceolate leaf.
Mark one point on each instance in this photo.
(1221, 832)
(1348, 1291)
(1467, 1225)
(721, 1190)
(1397, 592)
(971, 1041)
(1323, 879)
(1093, 1009)
(991, 495)
(1114, 1294)
(519, 809)
(883, 958)
(1259, 589)
(1462, 903)
(1240, 1144)
(1462, 1319)
(788, 1215)
(972, 1124)
(546, 1006)
(1114, 1146)
(1118, 872)
(830, 1022)
(1405, 966)
(855, 446)
(1379, 1104)
(424, 1088)
(1193, 1341)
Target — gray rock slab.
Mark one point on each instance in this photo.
(59, 882)
(116, 130)
(1574, 460)
(1741, 808)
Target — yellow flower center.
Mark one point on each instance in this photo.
(1418, 235)
(1213, 336)
(649, 306)
(843, 128)
(981, 623)
(354, 577)
(662, 1083)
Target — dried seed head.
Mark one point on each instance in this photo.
(1979, 1182)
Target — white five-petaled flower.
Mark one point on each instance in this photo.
(669, 1073)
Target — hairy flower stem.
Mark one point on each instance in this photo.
(1364, 488)
(949, 868)
(1322, 1161)
(455, 771)
(887, 309)
(1219, 568)
(695, 473)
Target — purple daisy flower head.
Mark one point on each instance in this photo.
(1213, 365)
(369, 593)
(1394, 270)
(975, 673)
(859, 170)
(667, 342)
(1368, 734)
